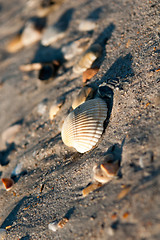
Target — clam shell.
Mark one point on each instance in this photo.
(84, 126)
(86, 93)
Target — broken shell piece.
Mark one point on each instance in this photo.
(53, 226)
(15, 44)
(83, 127)
(17, 170)
(30, 67)
(51, 35)
(91, 188)
(124, 192)
(85, 94)
(87, 25)
(8, 183)
(74, 48)
(55, 108)
(62, 222)
(3, 234)
(86, 61)
(30, 34)
(89, 73)
(9, 134)
(106, 171)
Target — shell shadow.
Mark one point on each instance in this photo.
(94, 15)
(119, 72)
(5, 153)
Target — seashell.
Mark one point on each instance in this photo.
(84, 125)
(86, 93)
(86, 61)
(51, 35)
(74, 48)
(55, 108)
(53, 226)
(3, 234)
(15, 44)
(89, 73)
(41, 108)
(106, 171)
(9, 134)
(91, 188)
(87, 25)
(62, 222)
(30, 34)
(8, 183)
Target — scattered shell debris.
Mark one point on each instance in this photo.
(86, 93)
(87, 25)
(89, 73)
(83, 127)
(8, 183)
(3, 234)
(55, 107)
(9, 134)
(87, 59)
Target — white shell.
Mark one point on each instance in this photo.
(84, 126)
(88, 58)
(51, 35)
(87, 25)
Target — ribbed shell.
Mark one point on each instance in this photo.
(84, 126)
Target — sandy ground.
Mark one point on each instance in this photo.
(131, 54)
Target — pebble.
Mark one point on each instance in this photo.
(41, 108)
(87, 25)
(3, 234)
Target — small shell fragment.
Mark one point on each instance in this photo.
(87, 25)
(91, 188)
(54, 109)
(51, 35)
(106, 171)
(83, 127)
(74, 48)
(9, 134)
(30, 34)
(86, 61)
(15, 44)
(53, 226)
(124, 192)
(89, 73)
(62, 222)
(85, 93)
(30, 67)
(3, 234)
(8, 183)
